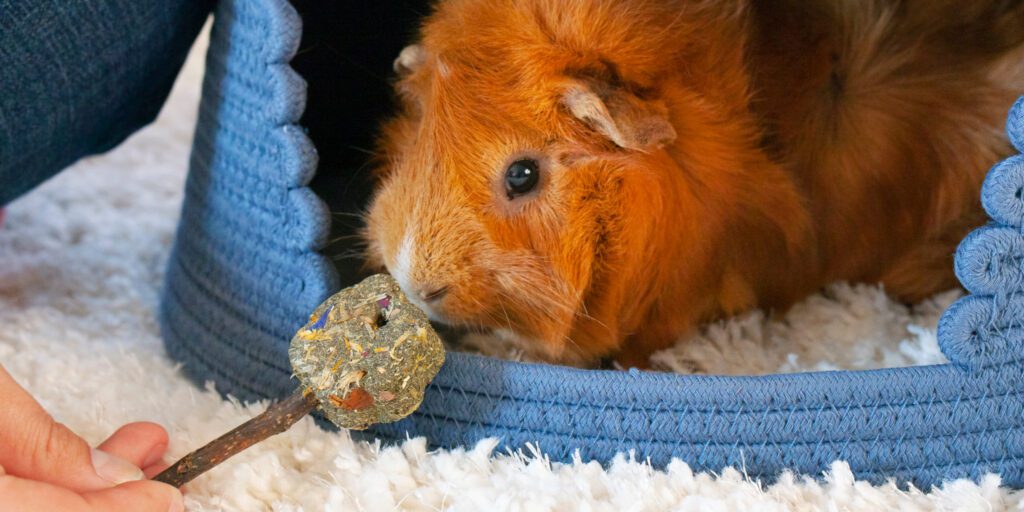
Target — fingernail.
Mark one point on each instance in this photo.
(177, 503)
(114, 469)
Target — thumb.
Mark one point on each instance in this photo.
(34, 446)
(22, 495)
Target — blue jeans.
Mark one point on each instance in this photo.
(77, 77)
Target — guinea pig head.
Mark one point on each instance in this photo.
(530, 182)
(518, 190)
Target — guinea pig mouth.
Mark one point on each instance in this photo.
(432, 313)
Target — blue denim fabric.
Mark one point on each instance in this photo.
(79, 76)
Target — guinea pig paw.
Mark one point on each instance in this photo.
(492, 345)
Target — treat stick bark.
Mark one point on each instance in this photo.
(280, 416)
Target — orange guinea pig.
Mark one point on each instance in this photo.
(595, 178)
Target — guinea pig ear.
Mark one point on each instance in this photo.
(409, 59)
(625, 119)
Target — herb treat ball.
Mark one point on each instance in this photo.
(367, 353)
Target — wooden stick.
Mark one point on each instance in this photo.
(277, 418)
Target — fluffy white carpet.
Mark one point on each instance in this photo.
(81, 259)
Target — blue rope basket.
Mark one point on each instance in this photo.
(245, 273)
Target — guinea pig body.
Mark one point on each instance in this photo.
(596, 178)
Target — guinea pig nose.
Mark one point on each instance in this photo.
(433, 294)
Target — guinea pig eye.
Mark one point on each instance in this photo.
(521, 177)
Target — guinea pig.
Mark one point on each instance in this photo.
(596, 178)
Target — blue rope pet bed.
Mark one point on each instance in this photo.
(245, 273)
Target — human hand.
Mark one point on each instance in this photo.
(46, 466)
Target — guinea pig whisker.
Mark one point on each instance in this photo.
(307, 49)
(489, 316)
(501, 303)
(357, 65)
(587, 316)
(573, 343)
(418, 12)
(348, 214)
(357, 239)
(514, 300)
(344, 254)
(352, 256)
(476, 326)
(364, 150)
(508, 321)
(583, 306)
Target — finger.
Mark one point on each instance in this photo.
(22, 495)
(144, 495)
(142, 443)
(35, 447)
(155, 469)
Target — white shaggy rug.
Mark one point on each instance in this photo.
(81, 259)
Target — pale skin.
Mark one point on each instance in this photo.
(46, 466)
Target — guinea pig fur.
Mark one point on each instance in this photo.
(596, 178)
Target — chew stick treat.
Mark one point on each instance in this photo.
(365, 356)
